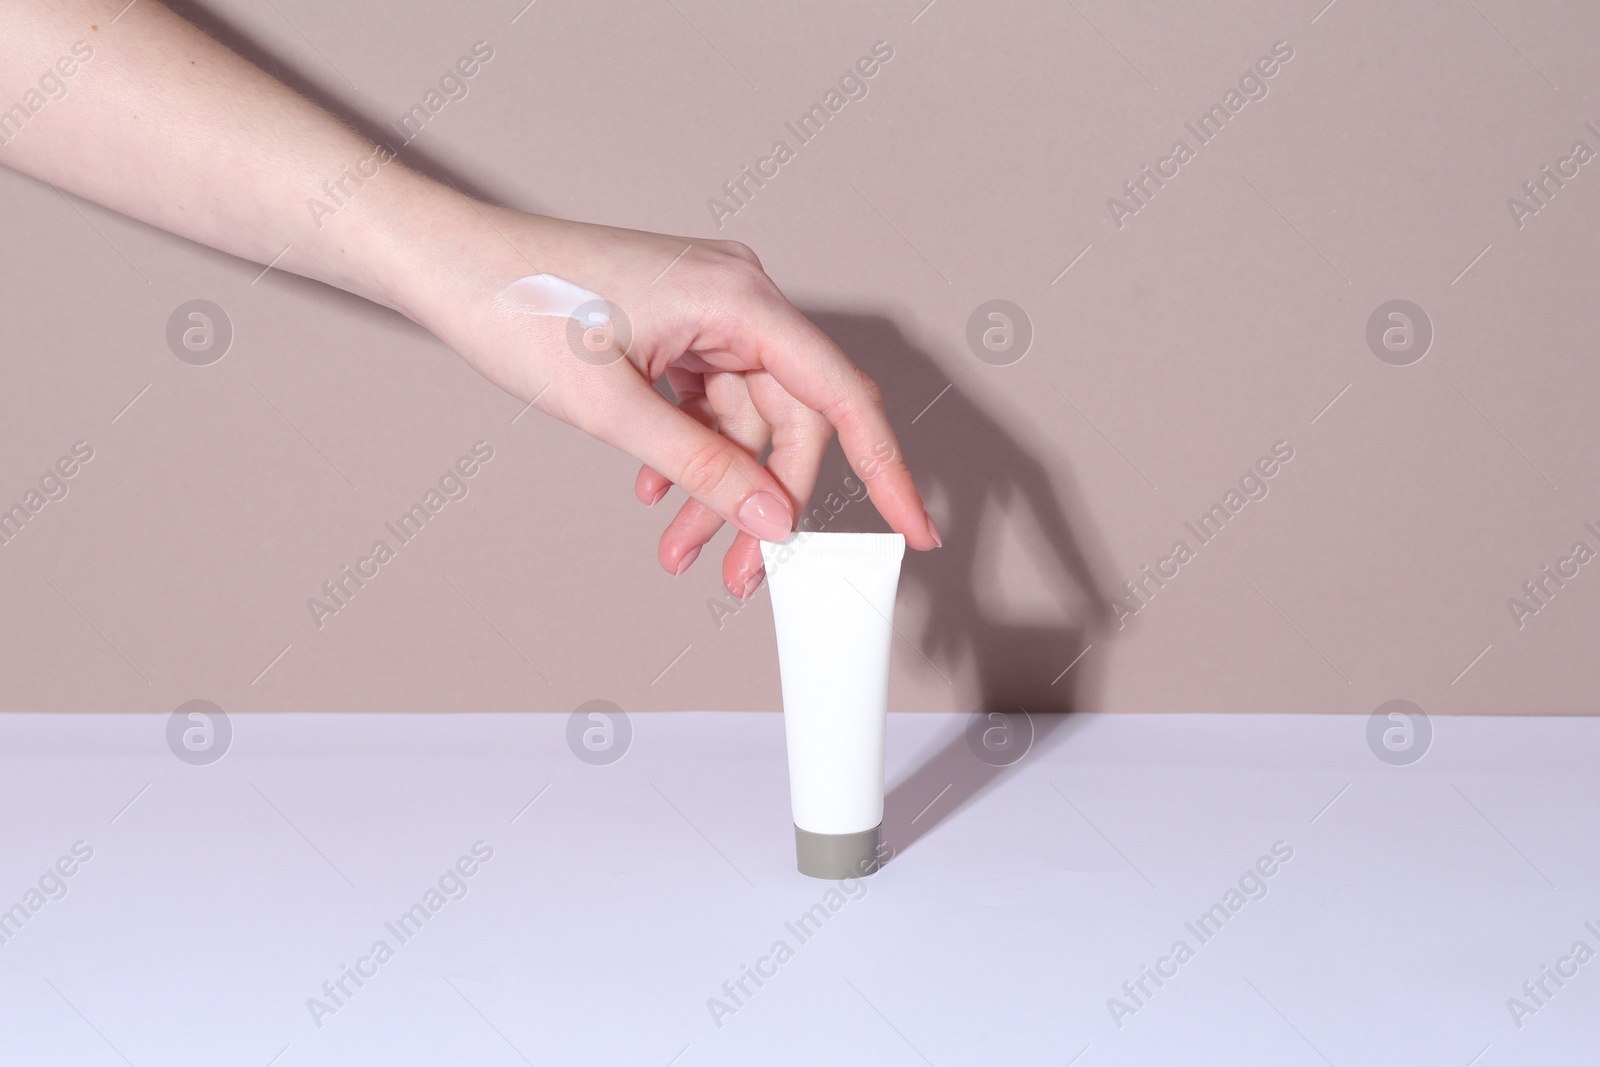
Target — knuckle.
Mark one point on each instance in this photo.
(740, 250)
(705, 469)
(871, 394)
(863, 395)
(744, 279)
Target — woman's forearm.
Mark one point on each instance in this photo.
(209, 146)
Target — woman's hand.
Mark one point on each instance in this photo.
(165, 124)
(748, 370)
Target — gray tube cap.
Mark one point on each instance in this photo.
(836, 856)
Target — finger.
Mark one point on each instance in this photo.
(738, 420)
(651, 486)
(799, 437)
(813, 370)
(628, 413)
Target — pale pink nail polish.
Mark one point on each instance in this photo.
(933, 531)
(765, 516)
(688, 558)
(660, 495)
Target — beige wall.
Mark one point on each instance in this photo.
(1222, 317)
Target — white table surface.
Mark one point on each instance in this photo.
(613, 908)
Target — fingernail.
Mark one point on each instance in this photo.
(688, 558)
(933, 531)
(660, 494)
(765, 516)
(752, 583)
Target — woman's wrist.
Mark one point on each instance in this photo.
(398, 239)
(380, 244)
(439, 258)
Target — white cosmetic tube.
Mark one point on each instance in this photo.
(833, 606)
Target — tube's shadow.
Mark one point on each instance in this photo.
(1013, 676)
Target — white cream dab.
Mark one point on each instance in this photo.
(546, 294)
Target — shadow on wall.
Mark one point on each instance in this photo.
(343, 105)
(1012, 676)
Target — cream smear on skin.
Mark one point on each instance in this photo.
(599, 334)
(546, 294)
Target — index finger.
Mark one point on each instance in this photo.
(813, 370)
